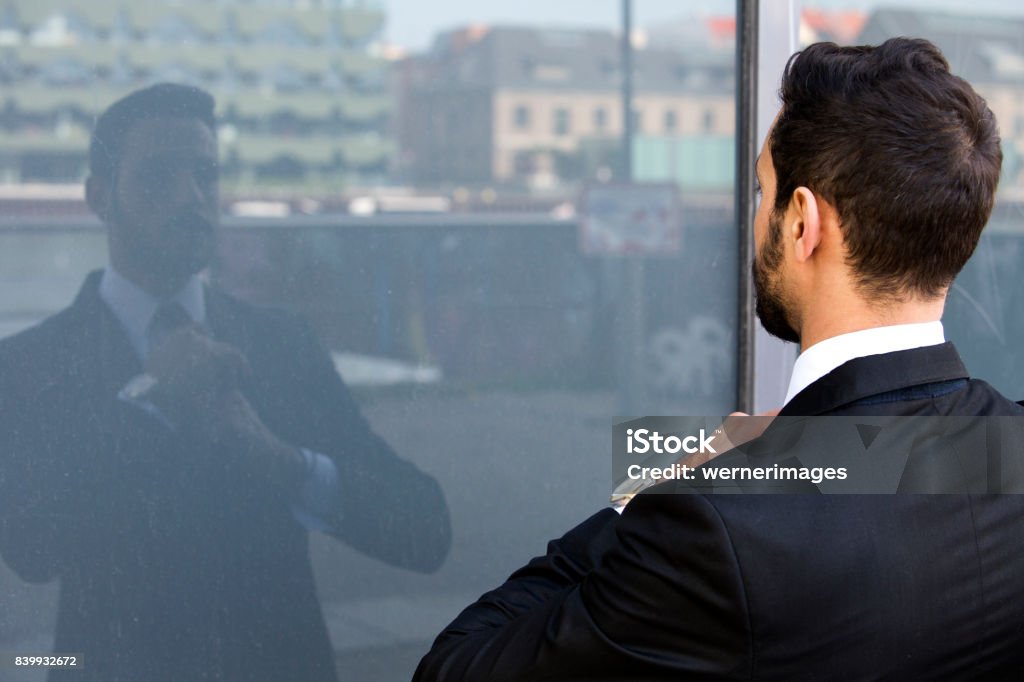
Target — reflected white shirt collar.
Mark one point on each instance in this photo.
(134, 307)
(825, 356)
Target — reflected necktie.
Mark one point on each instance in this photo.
(168, 316)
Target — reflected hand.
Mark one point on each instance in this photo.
(233, 426)
(192, 369)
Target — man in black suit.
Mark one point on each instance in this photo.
(167, 448)
(878, 175)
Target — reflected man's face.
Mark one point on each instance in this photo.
(163, 202)
(772, 305)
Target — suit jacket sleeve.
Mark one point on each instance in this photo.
(387, 507)
(612, 599)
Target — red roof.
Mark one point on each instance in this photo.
(840, 26)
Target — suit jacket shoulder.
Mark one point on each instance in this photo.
(920, 381)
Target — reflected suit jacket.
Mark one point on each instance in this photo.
(774, 587)
(175, 562)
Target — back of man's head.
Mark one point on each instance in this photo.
(163, 100)
(906, 152)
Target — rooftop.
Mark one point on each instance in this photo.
(559, 59)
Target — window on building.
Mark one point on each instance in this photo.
(121, 72)
(176, 72)
(284, 77)
(600, 119)
(708, 121)
(638, 121)
(10, 69)
(521, 117)
(282, 33)
(67, 71)
(174, 29)
(333, 79)
(671, 121)
(371, 80)
(561, 122)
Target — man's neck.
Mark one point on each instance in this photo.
(134, 307)
(835, 319)
(152, 281)
(821, 358)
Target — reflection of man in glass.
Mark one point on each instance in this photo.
(166, 448)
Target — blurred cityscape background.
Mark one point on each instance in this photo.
(327, 122)
(320, 113)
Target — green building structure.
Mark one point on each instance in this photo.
(303, 98)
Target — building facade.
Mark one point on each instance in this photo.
(540, 107)
(302, 98)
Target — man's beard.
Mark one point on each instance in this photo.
(182, 246)
(770, 304)
(188, 241)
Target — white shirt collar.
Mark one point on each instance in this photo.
(825, 356)
(134, 307)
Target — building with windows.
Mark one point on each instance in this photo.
(538, 107)
(987, 51)
(302, 97)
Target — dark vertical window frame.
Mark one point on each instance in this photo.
(746, 205)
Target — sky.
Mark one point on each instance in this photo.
(413, 23)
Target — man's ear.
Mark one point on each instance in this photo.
(99, 195)
(804, 223)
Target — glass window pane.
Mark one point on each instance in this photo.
(435, 204)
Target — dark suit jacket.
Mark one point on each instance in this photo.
(774, 587)
(176, 563)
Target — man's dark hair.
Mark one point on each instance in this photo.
(157, 101)
(906, 152)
